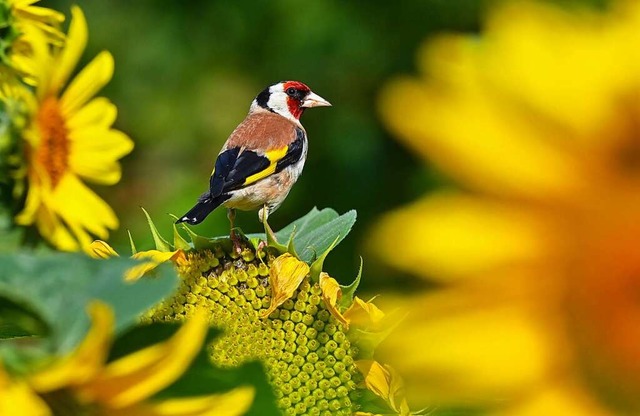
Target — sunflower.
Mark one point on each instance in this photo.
(69, 138)
(314, 337)
(84, 383)
(539, 260)
(20, 19)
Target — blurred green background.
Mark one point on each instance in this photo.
(186, 72)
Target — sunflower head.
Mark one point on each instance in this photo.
(274, 308)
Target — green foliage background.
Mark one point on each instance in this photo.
(186, 72)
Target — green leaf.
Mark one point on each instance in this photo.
(315, 232)
(321, 232)
(58, 287)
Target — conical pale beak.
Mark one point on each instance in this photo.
(314, 100)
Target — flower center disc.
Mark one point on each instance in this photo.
(53, 151)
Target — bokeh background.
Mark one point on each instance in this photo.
(186, 73)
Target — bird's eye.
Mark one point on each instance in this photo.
(291, 91)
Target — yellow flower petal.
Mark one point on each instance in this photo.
(82, 209)
(101, 250)
(74, 46)
(364, 314)
(453, 236)
(86, 361)
(28, 214)
(285, 275)
(549, 75)
(95, 151)
(331, 294)
(54, 231)
(457, 352)
(557, 400)
(233, 403)
(87, 83)
(99, 112)
(143, 373)
(481, 151)
(385, 383)
(18, 399)
(156, 258)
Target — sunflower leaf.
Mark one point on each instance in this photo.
(57, 287)
(314, 233)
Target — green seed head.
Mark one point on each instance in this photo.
(306, 351)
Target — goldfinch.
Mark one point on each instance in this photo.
(262, 158)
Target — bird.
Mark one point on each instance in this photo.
(262, 158)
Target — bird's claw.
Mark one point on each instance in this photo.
(237, 243)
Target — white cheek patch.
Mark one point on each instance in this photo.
(278, 103)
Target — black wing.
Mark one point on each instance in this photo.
(235, 169)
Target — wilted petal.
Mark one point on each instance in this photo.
(331, 294)
(364, 314)
(285, 275)
(385, 383)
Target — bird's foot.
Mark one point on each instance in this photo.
(237, 241)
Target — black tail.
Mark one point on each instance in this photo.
(205, 205)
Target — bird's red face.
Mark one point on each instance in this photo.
(289, 98)
(296, 93)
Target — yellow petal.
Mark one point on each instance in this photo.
(452, 236)
(459, 352)
(376, 378)
(86, 361)
(331, 294)
(95, 151)
(53, 230)
(156, 258)
(143, 373)
(481, 151)
(99, 112)
(101, 250)
(19, 399)
(285, 275)
(557, 400)
(74, 46)
(385, 383)
(546, 58)
(82, 210)
(364, 314)
(233, 403)
(28, 214)
(87, 83)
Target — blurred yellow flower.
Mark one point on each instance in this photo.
(84, 383)
(23, 22)
(69, 138)
(25, 15)
(539, 260)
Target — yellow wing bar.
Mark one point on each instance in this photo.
(274, 156)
